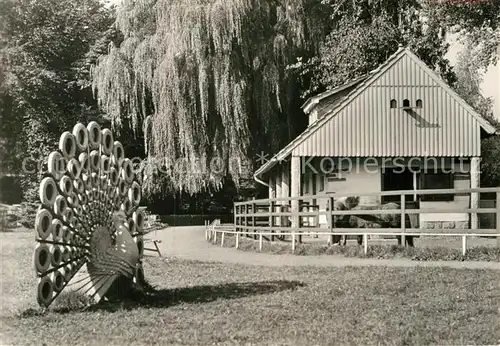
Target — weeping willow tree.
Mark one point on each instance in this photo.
(206, 82)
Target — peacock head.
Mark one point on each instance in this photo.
(120, 219)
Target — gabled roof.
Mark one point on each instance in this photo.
(314, 100)
(364, 83)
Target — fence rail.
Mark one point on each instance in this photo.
(296, 217)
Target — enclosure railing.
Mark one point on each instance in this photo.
(273, 217)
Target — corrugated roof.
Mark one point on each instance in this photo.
(317, 98)
(366, 82)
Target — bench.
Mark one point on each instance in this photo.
(150, 221)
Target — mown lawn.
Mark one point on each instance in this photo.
(209, 303)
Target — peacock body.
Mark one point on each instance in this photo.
(89, 230)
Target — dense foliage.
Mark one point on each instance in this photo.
(206, 81)
(46, 54)
(366, 33)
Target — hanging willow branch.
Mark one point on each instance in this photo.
(209, 77)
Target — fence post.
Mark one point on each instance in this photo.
(498, 217)
(403, 219)
(235, 218)
(260, 241)
(330, 206)
(222, 239)
(365, 243)
(246, 220)
(271, 219)
(464, 244)
(215, 236)
(293, 241)
(253, 220)
(237, 240)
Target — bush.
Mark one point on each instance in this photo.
(27, 214)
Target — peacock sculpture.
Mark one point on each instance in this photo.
(89, 231)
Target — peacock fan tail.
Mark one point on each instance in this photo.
(88, 226)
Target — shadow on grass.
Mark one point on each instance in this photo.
(164, 298)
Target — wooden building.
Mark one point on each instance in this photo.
(400, 127)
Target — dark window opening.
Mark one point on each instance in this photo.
(394, 104)
(406, 103)
(396, 179)
(437, 180)
(419, 103)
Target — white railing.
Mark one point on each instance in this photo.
(272, 217)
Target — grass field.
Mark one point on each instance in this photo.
(210, 303)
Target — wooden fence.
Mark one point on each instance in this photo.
(273, 218)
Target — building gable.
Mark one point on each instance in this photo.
(366, 125)
(363, 124)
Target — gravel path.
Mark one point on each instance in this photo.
(190, 243)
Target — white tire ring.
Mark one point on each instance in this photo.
(107, 142)
(94, 180)
(81, 136)
(57, 230)
(58, 281)
(48, 192)
(83, 158)
(45, 291)
(60, 205)
(105, 164)
(74, 168)
(67, 235)
(134, 194)
(138, 217)
(79, 186)
(103, 182)
(56, 165)
(67, 145)
(118, 153)
(43, 223)
(66, 186)
(95, 134)
(114, 177)
(95, 161)
(55, 255)
(66, 254)
(42, 258)
(87, 184)
(74, 200)
(122, 188)
(127, 171)
(69, 216)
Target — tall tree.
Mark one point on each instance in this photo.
(477, 22)
(366, 33)
(206, 80)
(45, 46)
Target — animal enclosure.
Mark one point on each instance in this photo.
(274, 218)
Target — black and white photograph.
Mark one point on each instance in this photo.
(249, 172)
